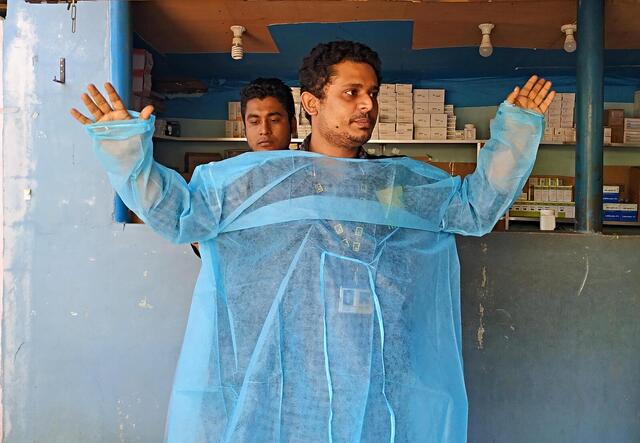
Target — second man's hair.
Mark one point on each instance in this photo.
(262, 88)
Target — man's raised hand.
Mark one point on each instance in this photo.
(100, 108)
(536, 95)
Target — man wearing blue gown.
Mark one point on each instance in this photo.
(328, 303)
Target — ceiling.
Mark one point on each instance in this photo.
(202, 26)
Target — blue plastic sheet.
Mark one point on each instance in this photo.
(328, 303)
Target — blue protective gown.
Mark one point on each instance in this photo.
(328, 303)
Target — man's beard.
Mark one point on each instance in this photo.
(342, 139)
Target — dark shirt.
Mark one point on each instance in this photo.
(362, 153)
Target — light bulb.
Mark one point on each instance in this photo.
(237, 51)
(486, 49)
(570, 44)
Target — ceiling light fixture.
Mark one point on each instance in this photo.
(570, 44)
(237, 52)
(486, 49)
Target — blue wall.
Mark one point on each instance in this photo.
(90, 339)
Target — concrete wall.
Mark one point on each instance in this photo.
(90, 337)
(550, 332)
(94, 312)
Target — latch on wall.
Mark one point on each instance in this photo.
(71, 6)
(62, 72)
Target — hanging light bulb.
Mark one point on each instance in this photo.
(486, 49)
(237, 52)
(570, 44)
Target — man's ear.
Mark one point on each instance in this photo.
(293, 126)
(310, 103)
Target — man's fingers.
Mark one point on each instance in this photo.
(98, 98)
(536, 89)
(511, 98)
(529, 85)
(547, 101)
(80, 117)
(146, 112)
(91, 107)
(114, 98)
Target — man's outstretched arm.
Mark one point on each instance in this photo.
(158, 195)
(504, 163)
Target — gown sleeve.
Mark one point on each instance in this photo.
(178, 211)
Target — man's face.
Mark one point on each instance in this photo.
(347, 114)
(267, 124)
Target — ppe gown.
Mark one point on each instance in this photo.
(327, 307)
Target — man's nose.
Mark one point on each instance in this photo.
(265, 128)
(366, 103)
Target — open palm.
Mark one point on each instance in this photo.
(101, 110)
(536, 95)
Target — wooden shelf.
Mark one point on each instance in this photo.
(300, 140)
(611, 145)
(573, 220)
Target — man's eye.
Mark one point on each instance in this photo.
(275, 120)
(352, 92)
(254, 122)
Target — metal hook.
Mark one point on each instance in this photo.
(62, 72)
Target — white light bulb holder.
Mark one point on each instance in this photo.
(486, 48)
(237, 51)
(570, 44)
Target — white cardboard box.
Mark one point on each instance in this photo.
(421, 107)
(404, 99)
(404, 107)
(439, 121)
(421, 95)
(404, 117)
(422, 120)
(436, 96)
(438, 133)
(387, 88)
(436, 108)
(422, 133)
(404, 88)
(386, 128)
(404, 128)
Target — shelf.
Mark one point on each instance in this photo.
(537, 219)
(611, 145)
(573, 220)
(300, 140)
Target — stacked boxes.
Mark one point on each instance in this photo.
(559, 119)
(632, 130)
(233, 127)
(545, 193)
(304, 124)
(429, 117)
(404, 112)
(141, 65)
(614, 119)
(615, 210)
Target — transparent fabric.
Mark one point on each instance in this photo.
(327, 307)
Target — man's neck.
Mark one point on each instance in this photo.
(320, 145)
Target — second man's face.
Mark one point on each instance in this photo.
(348, 112)
(267, 125)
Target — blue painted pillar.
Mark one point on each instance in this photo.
(120, 29)
(589, 110)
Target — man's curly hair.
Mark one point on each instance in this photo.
(262, 88)
(317, 68)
